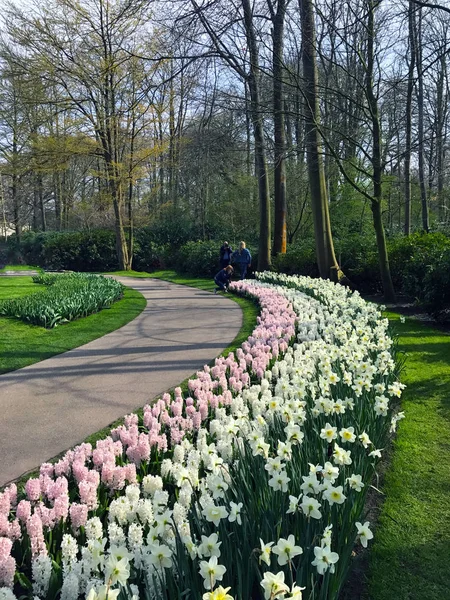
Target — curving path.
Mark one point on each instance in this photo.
(55, 404)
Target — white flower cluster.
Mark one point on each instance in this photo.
(301, 444)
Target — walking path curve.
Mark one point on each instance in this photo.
(55, 404)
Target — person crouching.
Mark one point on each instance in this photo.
(223, 278)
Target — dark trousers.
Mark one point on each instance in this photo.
(220, 286)
(243, 269)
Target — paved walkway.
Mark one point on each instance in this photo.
(53, 405)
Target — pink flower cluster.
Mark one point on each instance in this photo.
(9, 531)
(92, 472)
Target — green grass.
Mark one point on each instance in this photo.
(410, 557)
(22, 344)
(20, 268)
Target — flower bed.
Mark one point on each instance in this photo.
(257, 480)
(67, 297)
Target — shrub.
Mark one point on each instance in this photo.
(300, 258)
(81, 251)
(67, 298)
(200, 259)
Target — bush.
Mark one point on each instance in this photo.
(300, 259)
(81, 251)
(147, 256)
(199, 259)
(67, 298)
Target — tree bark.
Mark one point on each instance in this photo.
(258, 132)
(408, 116)
(383, 259)
(326, 259)
(279, 237)
(420, 107)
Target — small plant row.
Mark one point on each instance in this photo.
(251, 487)
(67, 297)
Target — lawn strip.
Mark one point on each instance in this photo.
(410, 556)
(22, 344)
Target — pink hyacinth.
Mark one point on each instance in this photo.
(23, 510)
(33, 489)
(7, 570)
(5, 503)
(61, 507)
(78, 515)
(46, 469)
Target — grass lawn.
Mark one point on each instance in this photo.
(22, 344)
(20, 268)
(410, 556)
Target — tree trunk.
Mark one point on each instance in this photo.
(326, 259)
(279, 237)
(440, 135)
(408, 116)
(420, 107)
(258, 132)
(385, 272)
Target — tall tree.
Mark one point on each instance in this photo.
(250, 72)
(278, 15)
(326, 258)
(87, 50)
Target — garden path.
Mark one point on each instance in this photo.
(55, 404)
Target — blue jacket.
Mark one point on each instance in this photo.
(223, 277)
(243, 257)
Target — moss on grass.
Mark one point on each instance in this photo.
(410, 556)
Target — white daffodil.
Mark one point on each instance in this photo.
(235, 513)
(210, 546)
(266, 549)
(310, 507)
(273, 585)
(375, 453)
(334, 495)
(330, 472)
(324, 559)
(341, 456)
(286, 550)
(328, 433)
(364, 533)
(220, 593)
(211, 572)
(311, 485)
(347, 435)
(279, 482)
(355, 482)
(293, 504)
(160, 555)
(104, 592)
(295, 593)
(214, 514)
(274, 465)
(364, 439)
(117, 571)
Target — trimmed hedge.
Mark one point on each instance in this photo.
(72, 250)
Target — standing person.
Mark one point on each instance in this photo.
(225, 255)
(223, 278)
(243, 258)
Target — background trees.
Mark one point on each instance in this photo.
(127, 114)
